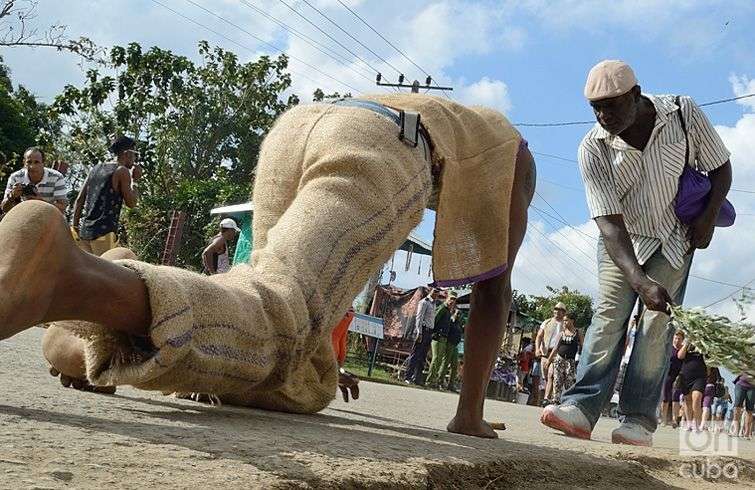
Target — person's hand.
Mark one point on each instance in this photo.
(654, 296)
(538, 352)
(700, 232)
(136, 172)
(348, 384)
(16, 191)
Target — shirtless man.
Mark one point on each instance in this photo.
(338, 188)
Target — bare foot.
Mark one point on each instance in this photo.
(476, 428)
(33, 239)
(65, 353)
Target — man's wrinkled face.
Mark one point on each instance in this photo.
(617, 113)
(34, 162)
(559, 313)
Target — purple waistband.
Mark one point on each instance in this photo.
(471, 280)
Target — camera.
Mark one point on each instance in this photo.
(29, 190)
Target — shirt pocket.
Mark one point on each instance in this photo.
(672, 156)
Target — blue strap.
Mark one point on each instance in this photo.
(371, 106)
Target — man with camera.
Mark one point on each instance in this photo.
(35, 182)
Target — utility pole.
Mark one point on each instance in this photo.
(415, 86)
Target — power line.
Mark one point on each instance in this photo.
(558, 230)
(718, 282)
(582, 123)
(746, 286)
(568, 256)
(560, 185)
(265, 43)
(189, 19)
(312, 42)
(406, 57)
(329, 36)
(352, 37)
(561, 216)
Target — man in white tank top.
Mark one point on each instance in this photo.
(215, 256)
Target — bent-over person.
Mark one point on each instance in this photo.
(336, 193)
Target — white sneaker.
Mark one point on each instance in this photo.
(632, 434)
(568, 419)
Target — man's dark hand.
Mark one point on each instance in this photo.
(348, 384)
(700, 232)
(137, 172)
(654, 296)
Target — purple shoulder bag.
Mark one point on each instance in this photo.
(694, 187)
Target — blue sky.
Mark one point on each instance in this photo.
(527, 58)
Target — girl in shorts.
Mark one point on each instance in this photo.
(695, 373)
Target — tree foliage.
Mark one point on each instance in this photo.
(541, 307)
(200, 126)
(22, 121)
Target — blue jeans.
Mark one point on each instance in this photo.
(604, 344)
(416, 363)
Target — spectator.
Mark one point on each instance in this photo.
(106, 188)
(670, 406)
(720, 409)
(744, 395)
(443, 319)
(423, 327)
(546, 341)
(694, 372)
(35, 182)
(348, 383)
(714, 387)
(451, 363)
(215, 256)
(526, 356)
(568, 344)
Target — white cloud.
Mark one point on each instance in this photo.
(486, 92)
(743, 86)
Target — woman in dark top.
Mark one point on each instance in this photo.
(670, 407)
(569, 343)
(695, 373)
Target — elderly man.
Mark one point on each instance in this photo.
(547, 340)
(338, 189)
(631, 162)
(36, 182)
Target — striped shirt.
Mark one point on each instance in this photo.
(642, 185)
(51, 188)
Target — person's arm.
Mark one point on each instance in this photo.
(711, 156)
(78, 205)
(606, 209)
(619, 247)
(213, 248)
(682, 353)
(123, 186)
(12, 196)
(553, 352)
(580, 342)
(539, 342)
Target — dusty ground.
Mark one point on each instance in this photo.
(392, 438)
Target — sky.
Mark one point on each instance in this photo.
(526, 58)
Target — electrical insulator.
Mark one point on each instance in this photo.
(401, 78)
(429, 80)
(379, 77)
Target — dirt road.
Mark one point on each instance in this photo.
(391, 438)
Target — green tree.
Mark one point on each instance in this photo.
(200, 126)
(577, 304)
(16, 132)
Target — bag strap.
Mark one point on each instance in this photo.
(684, 129)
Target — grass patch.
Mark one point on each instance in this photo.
(379, 374)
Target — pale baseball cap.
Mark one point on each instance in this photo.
(229, 224)
(609, 78)
(560, 306)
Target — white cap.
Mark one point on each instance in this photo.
(608, 79)
(229, 224)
